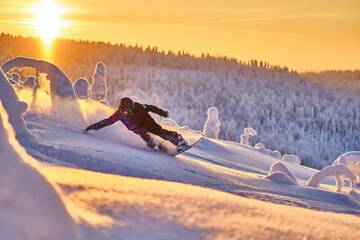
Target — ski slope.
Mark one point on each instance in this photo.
(221, 165)
(113, 187)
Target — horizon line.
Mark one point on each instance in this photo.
(194, 55)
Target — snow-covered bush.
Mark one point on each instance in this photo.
(275, 154)
(261, 148)
(230, 132)
(99, 86)
(31, 207)
(349, 158)
(245, 137)
(81, 88)
(280, 173)
(339, 171)
(14, 107)
(212, 124)
(291, 158)
(259, 145)
(352, 161)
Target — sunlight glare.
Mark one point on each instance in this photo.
(48, 20)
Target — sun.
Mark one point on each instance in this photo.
(47, 20)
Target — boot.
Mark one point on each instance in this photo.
(182, 144)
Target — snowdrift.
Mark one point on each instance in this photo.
(31, 207)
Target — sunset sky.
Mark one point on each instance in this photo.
(304, 34)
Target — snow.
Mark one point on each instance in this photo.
(245, 137)
(212, 124)
(168, 121)
(221, 165)
(351, 160)
(81, 87)
(275, 154)
(230, 132)
(31, 207)
(61, 85)
(15, 107)
(280, 173)
(290, 114)
(155, 100)
(280, 177)
(107, 184)
(261, 148)
(99, 86)
(15, 78)
(291, 158)
(338, 171)
(30, 82)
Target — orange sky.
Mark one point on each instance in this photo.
(304, 34)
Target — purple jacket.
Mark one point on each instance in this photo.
(139, 121)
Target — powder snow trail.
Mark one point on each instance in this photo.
(221, 165)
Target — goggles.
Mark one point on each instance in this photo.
(127, 111)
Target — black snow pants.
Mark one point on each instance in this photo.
(156, 129)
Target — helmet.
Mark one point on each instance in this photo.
(126, 104)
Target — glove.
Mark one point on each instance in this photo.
(165, 114)
(91, 127)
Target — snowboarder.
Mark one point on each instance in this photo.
(136, 118)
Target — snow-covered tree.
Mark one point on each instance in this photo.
(81, 88)
(99, 86)
(245, 137)
(230, 132)
(212, 124)
(338, 171)
(60, 85)
(62, 93)
(352, 161)
(15, 108)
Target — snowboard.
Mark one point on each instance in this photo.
(192, 137)
(185, 149)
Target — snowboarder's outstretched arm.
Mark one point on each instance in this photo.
(104, 123)
(154, 109)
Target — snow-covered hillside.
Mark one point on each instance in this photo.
(108, 185)
(314, 115)
(108, 206)
(289, 113)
